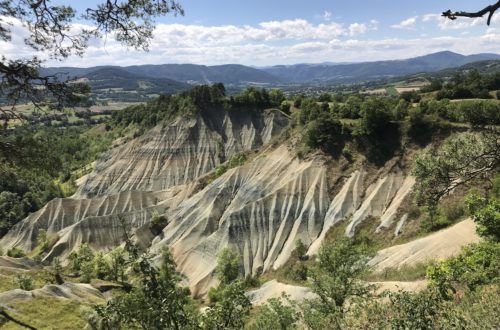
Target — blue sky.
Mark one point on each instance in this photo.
(273, 32)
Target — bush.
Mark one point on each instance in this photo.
(102, 270)
(158, 222)
(227, 269)
(83, 255)
(413, 311)
(435, 222)
(420, 127)
(16, 253)
(325, 133)
(486, 213)
(220, 170)
(237, 160)
(453, 210)
(24, 282)
(276, 315)
(300, 250)
(476, 265)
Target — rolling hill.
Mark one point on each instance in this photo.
(356, 72)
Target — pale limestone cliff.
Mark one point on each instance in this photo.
(180, 152)
(260, 209)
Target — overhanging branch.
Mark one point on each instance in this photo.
(4, 314)
(490, 10)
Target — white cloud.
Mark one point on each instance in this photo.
(357, 28)
(408, 24)
(361, 28)
(268, 43)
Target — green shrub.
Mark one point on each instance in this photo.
(300, 250)
(83, 255)
(220, 170)
(486, 213)
(299, 272)
(453, 210)
(158, 222)
(276, 314)
(24, 282)
(325, 133)
(476, 265)
(436, 222)
(237, 160)
(87, 271)
(102, 270)
(16, 253)
(251, 281)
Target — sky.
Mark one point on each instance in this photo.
(272, 32)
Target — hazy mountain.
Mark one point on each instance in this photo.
(192, 73)
(314, 73)
(174, 77)
(112, 77)
(227, 74)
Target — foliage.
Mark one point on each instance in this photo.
(227, 269)
(486, 213)
(309, 111)
(158, 302)
(300, 250)
(24, 281)
(28, 179)
(158, 222)
(118, 262)
(235, 161)
(16, 253)
(419, 127)
(81, 260)
(413, 311)
(475, 310)
(231, 309)
(469, 85)
(462, 159)
(276, 315)
(476, 265)
(335, 279)
(375, 116)
(101, 266)
(325, 133)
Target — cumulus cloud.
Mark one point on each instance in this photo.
(361, 28)
(267, 43)
(408, 24)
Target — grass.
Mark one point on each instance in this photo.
(47, 313)
(406, 273)
(41, 277)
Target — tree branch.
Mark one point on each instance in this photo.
(4, 314)
(489, 9)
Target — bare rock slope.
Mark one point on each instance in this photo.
(260, 209)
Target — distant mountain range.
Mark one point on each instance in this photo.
(168, 78)
(356, 72)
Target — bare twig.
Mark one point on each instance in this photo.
(490, 10)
